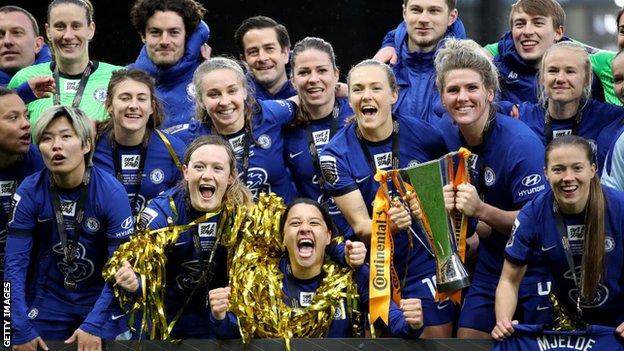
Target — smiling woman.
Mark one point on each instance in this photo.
(579, 223)
(191, 256)
(129, 146)
(79, 82)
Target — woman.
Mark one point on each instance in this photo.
(379, 140)
(79, 81)
(254, 129)
(505, 175)
(566, 106)
(145, 160)
(320, 117)
(210, 181)
(578, 223)
(68, 219)
(306, 230)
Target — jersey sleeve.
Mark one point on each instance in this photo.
(388, 40)
(613, 172)
(281, 112)
(338, 177)
(523, 235)
(527, 168)
(226, 328)
(120, 225)
(19, 245)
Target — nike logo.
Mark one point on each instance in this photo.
(295, 155)
(361, 179)
(41, 220)
(113, 317)
(541, 308)
(442, 305)
(179, 243)
(544, 249)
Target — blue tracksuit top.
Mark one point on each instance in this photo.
(174, 85)
(416, 75)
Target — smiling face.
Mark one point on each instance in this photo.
(427, 22)
(315, 78)
(223, 95)
(165, 38)
(70, 33)
(569, 173)
(266, 58)
(305, 237)
(533, 35)
(14, 126)
(371, 98)
(62, 150)
(131, 106)
(564, 75)
(208, 175)
(466, 98)
(19, 44)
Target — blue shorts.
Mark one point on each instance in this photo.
(423, 288)
(478, 313)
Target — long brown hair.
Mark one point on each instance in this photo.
(154, 120)
(592, 264)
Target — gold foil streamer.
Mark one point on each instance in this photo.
(146, 252)
(256, 280)
(563, 318)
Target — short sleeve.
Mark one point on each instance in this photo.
(527, 169)
(338, 177)
(523, 236)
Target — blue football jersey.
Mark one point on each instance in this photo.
(159, 172)
(10, 179)
(34, 247)
(186, 261)
(267, 170)
(535, 233)
(534, 338)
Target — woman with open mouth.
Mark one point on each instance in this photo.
(196, 260)
(226, 107)
(320, 117)
(306, 229)
(78, 80)
(129, 146)
(379, 140)
(565, 103)
(578, 224)
(68, 219)
(506, 174)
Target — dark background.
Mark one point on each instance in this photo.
(354, 27)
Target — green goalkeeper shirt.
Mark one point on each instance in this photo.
(93, 98)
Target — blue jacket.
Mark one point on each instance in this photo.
(24, 90)
(415, 74)
(174, 85)
(518, 78)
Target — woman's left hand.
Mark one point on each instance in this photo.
(620, 330)
(355, 253)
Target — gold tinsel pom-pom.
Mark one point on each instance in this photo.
(146, 252)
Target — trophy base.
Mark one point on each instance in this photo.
(452, 275)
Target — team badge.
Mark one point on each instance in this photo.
(264, 141)
(190, 92)
(157, 176)
(609, 244)
(99, 94)
(33, 313)
(489, 176)
(92, 224)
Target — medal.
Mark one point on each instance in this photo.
(70, 283)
